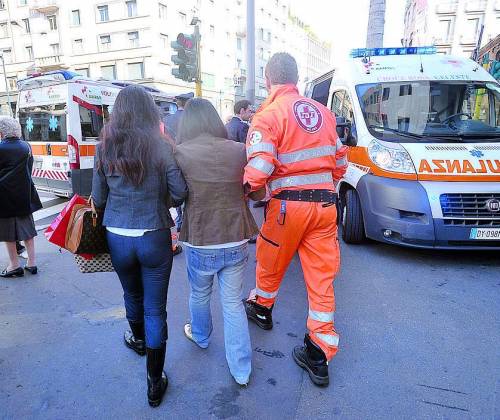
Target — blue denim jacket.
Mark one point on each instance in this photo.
(143, 207)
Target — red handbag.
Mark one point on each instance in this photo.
(56, 232)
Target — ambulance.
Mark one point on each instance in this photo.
(61, 115)
(423, 132)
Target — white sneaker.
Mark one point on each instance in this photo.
(188, 332)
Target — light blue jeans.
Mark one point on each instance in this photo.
(229, 265)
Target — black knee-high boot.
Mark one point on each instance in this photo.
(157, 379)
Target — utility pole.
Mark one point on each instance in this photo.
(198, 55)
(251, 51)
(6, 85)
(376, 23)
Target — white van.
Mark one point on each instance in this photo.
(423, 132)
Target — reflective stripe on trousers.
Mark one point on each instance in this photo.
(261, 165)
(264, 294)
(321, 316)
(300, 180)
(331, 340)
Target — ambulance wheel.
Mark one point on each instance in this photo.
(353, 230)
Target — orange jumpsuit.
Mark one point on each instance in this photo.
(292, 144)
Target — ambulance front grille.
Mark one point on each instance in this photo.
(469, 209)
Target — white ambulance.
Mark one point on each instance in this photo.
(61, 115)
(423, 132)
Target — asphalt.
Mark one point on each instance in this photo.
(419, 338)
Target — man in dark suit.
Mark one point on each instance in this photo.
(237, 127)
(172, 120)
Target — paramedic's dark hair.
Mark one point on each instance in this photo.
(200, 117)
(281, 69)
(243, 104)
(131, 142)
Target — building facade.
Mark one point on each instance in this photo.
(130, 40)
(453, 26)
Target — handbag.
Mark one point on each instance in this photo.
(85, 233)
(56, 232)
(100, 263)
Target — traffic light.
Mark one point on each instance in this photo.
(495, 69)
(186, 57)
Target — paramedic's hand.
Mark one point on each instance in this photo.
(258, 195)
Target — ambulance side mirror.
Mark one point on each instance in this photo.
(345, 132)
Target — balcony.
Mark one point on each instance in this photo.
(45, 6)
(475, 5)
(448, 7)
(49, 63)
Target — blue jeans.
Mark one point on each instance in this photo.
(229, 265)
(143, 265)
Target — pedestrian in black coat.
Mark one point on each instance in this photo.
(19, 197)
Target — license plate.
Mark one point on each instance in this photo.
(485, 234)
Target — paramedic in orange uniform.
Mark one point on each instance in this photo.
(293, 150)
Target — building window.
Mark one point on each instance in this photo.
(23, 2)
(133, 37)
(75, 17)
(12, 83)
(29, 52)
(103, 13)
(405, 90)
(2, 4)
(162, 11)
(182, 17)
(3, 30)
(7, 56)
(84, 71)
(27, 27)
(55, 49)
(78, 46)
(238, 63)
(472, 29)
(164, 41)
(131, 8)
(108, 72)
(261, 71)
(444, 30)
(261, 53)
(212, 30)
(261, 34)
(105, 42)
(239, 43)
(52, 22)
(136, 71)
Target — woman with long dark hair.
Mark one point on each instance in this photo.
(137, 180)
(216, 228)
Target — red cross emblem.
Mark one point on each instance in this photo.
(308, 116)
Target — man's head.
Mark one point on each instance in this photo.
(243, 109)
(181, 100)
(281, 69)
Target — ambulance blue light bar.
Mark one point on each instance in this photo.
(378, 52)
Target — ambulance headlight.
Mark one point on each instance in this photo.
(390, 157)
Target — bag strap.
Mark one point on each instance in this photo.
(90, 201)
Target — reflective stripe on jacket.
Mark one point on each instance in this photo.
(293, 144)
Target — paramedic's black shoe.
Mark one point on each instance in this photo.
(157, 380)
(259, 314)
(32, 270)
(17, 272)
(135, 339)
(311, 358)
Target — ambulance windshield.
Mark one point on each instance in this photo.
(431, 110)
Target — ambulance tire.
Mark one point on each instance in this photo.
(353, 230)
